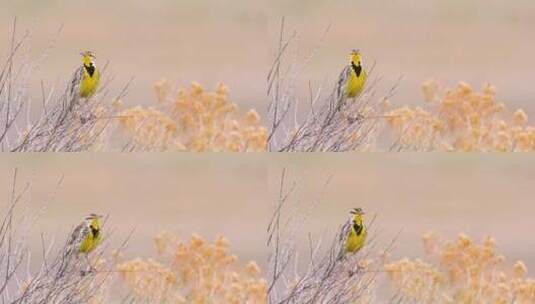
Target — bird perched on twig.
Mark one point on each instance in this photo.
(355, 231)
(85, 80)
(88, 75)
(84, 239)
(352, 79)
(87, 235)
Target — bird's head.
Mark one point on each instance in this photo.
(357, 213)
(88, 58)
(355, 57)
(93, 220)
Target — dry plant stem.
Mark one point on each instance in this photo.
(273, 75)
(6, 81)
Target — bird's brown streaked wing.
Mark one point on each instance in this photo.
(78, 235)
(73, 91)
(344, 75)
(346, 228)
(72, 247)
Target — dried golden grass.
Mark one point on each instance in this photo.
(461, 119)
(193, 272)
(461, 271)
(193, 120)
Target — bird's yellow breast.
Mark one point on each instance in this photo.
(355, 84)
(355, 242)
(89, 244)
(89, 84)
(91, 241)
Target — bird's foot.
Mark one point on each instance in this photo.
(352, 272)
(86, 118)
(355, 119)
(90, 270)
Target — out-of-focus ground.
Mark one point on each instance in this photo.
(211, 41)
(233, 195)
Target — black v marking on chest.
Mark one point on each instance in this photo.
(90, 69)
(356, 68)
(357, 227)
(95, 232)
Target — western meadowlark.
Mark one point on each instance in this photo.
(85, 80)
(355, 232)
(352, 79)
(84, 239)
(86, 236)
(88, 75)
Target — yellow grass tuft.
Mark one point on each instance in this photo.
(461, 119)
(193, 272)
(461, 271)
(193, 120)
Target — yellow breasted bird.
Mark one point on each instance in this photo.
(86, 236)
(84, 82)
(353, 77)
(84, 239)
(86, 78)
(355, 231)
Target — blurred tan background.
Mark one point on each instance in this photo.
(234, 42)
(233, 195)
